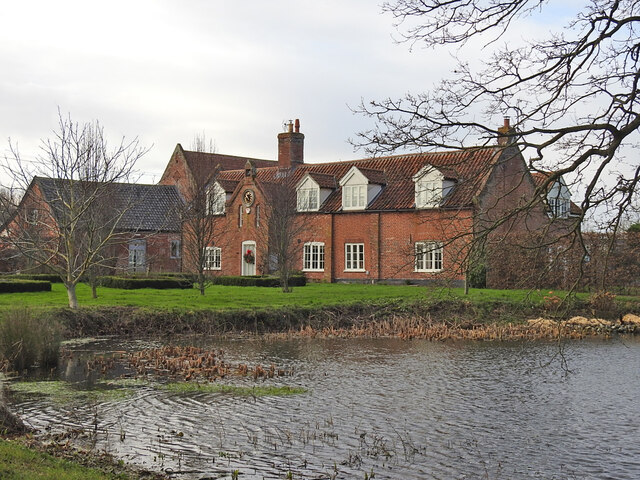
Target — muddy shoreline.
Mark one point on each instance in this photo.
(441, 320)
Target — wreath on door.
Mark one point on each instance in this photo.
(249, 257)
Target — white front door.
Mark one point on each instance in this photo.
(249, 258)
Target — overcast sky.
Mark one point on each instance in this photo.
(164, 71)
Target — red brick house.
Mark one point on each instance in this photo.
(147, 235)
(402, 218)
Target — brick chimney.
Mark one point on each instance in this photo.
(291, 146)
(506, 133)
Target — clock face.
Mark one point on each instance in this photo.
(248, 197)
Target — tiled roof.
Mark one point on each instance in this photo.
(374, 176)
(540, 177)
(574, 209)
(470, 168)
(324, 180)
(148, 207)
(228, 185)
(203, 165)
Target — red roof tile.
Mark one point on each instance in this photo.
(470, 168)
(374, 176)
(203, 165)
(324, 180)
(540, 177)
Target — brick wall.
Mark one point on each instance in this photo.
(177, 173)
(157, 252)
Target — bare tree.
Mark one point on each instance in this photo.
(283, 226)
(574, 96)
(7, 205)
(69, 214)
(202, 218)
(202, 144)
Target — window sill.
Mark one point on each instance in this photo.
(428, 271)
(359, 270)
(312, 270)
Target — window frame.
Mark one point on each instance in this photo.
(428, 256)
(212, 258)
(348, 196)
(215, 196)
(428, 195)
(178, 249)
(33, 215)
(560, 207)
(304, 199)
(351, 264)
(307, 257)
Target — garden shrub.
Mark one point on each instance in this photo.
(27, 339)
(131, 283)
(43, 277)
(19, 286)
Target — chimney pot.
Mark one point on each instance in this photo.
(506, 133)
(291, 146)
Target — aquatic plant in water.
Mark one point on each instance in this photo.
(243, 391)
(64, 392)
(193, 363)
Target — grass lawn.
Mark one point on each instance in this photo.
(18, 462)
(229, 298)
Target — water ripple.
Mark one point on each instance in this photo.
(397, 409)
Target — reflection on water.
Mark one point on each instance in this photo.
(397, 409)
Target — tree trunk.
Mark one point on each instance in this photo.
(94, 290)
(71, 293)
(201, 284)
(284, 282)
(466, 282)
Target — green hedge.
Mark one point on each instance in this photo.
(43, 277)
(19, 286)
(131, 283)
(257, 281)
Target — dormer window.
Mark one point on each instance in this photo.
(559, 207)
(308, 199)
(354, 196)
(359, 187)
(430, 187)
(559, 199)
(215, 198)
(313, 190)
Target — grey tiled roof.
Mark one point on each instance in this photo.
(147, 207)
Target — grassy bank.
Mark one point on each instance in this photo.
(319, 307)
(238, 298)
(26, 459)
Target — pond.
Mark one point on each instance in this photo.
(371, 408)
